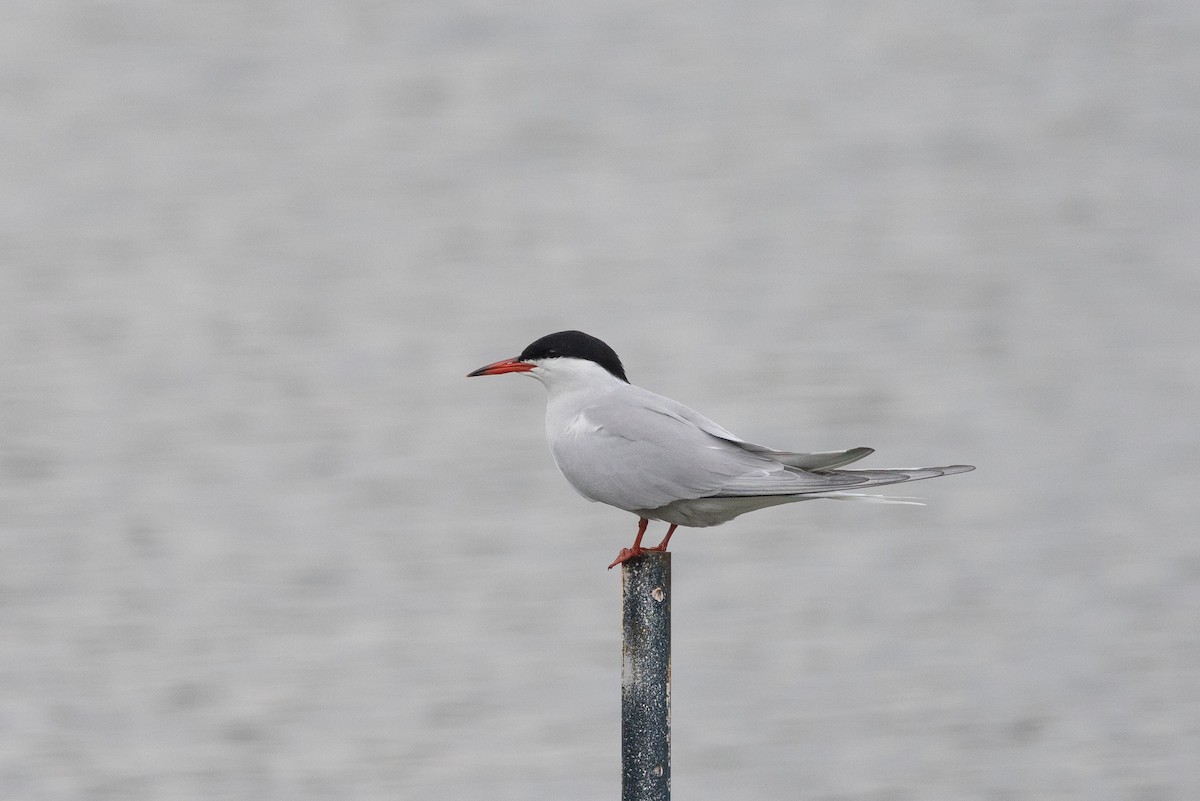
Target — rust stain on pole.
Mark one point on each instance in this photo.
(646, 678)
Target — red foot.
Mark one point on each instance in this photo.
(637, 550)
(626, 554)
(633, 553)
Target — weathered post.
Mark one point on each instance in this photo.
(646, 678)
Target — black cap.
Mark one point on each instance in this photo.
(575, 345)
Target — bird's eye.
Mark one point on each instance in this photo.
(552, 352)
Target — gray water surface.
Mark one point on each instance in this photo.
(260, 539)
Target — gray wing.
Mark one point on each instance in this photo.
(639, 453)
(634, 456)
(823, 460)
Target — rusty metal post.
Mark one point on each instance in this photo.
(646, 678)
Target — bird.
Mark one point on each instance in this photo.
(628, 447)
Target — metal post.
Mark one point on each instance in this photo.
(646, 678)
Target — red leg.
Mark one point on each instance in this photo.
(662, 546)
(629, 553)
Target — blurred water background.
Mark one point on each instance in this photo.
(262, 540)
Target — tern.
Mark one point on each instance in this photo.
(628, 447)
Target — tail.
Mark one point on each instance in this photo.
(872, 478)
(851, 496)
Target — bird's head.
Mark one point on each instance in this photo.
(562, 356)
